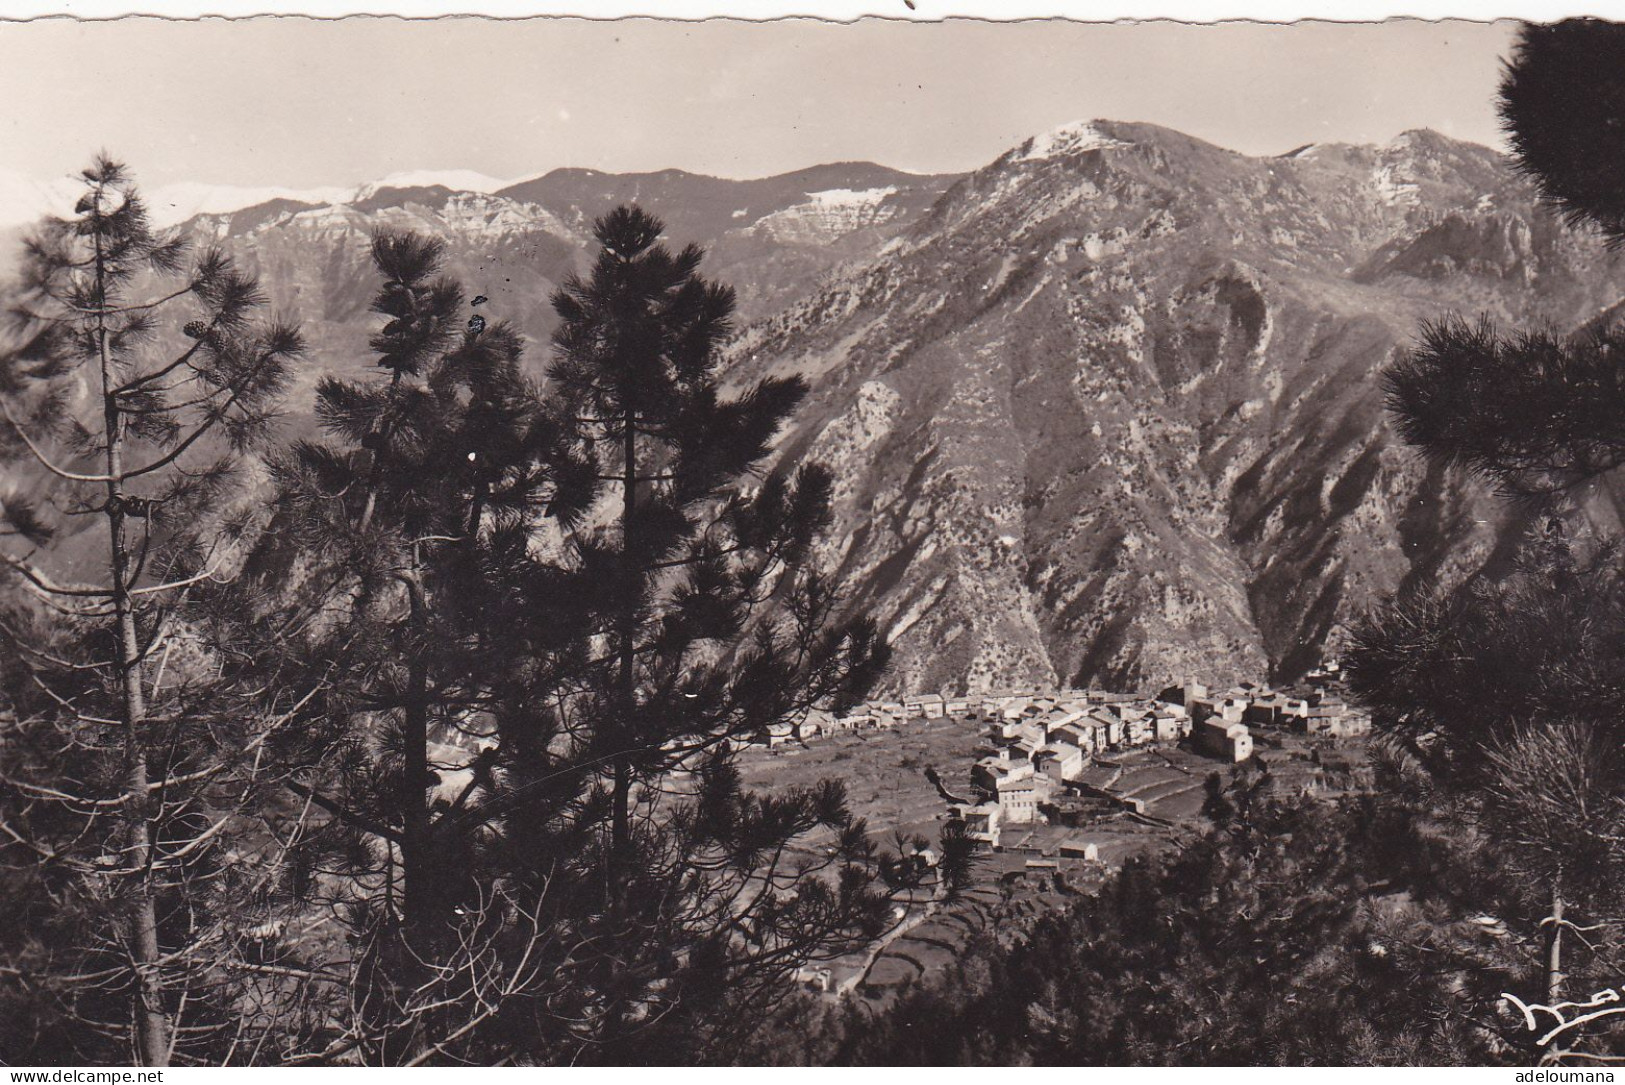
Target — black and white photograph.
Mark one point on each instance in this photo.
(905, 540)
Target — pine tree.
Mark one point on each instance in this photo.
(445, 587)
(715, 625)
(1561, 99)
(125, 770)
(408, 532)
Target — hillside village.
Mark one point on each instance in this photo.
(1033, 760)
(1055, 787)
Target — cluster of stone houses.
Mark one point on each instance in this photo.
(1319, 710)
(875, 715)
(1068, 707)
(1038, 744)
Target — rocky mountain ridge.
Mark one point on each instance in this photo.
(1107, 410)
(771, 238)
(1111, 412)
(514, 244)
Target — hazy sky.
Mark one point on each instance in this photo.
(292, 101)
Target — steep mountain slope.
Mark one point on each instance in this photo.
(1106, 410)
(1111, 412)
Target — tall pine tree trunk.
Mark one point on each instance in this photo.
(415, 844)
(1554, 945)
(377, 473)
(417, 943)
(151, 1022)
(621, 797)
(417, 852)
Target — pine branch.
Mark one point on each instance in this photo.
(184, 358)
(40, 456)
(348, 816)
(215, 417)
(206, 574)
(42, 582)
(68, 706)
(116, 310)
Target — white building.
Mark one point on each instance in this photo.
(1223, 738)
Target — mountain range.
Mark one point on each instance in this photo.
(1111, 412)
(1107, 410)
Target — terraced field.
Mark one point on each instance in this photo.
(884, 771)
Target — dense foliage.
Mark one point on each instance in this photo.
(1562, 98)
(413, 743)
(1297, 932)
(139, 379)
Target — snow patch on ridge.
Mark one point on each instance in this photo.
(1074, 138)
(828, 215)
(848, 197)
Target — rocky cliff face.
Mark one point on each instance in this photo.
(1107, 410)
(1111, 411)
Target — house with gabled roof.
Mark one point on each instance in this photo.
(1019, 797)
(817, 723)
(982, 822)
(1074, 734)
(1067, 712)
(1034, 729)
(1225, 739)
(1075, 848)
(859, 721)
(988, 773)
(1328, 674)
(1323, 716)
(1138, 730)
(1014, 708)
(1168, 726)
(1113, 724)
(1059, 761)
(1099, 733)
